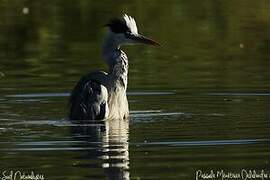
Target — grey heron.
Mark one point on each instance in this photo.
(101, 95)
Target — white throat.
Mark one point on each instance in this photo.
(111, 48)
(115, 58)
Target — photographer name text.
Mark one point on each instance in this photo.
(19, 175)
(226, 175)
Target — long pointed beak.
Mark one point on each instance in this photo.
(142, 39)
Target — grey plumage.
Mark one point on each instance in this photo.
(99, 95)
(89, 98)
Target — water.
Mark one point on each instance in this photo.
(198, 103)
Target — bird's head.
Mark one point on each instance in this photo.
(125, 31)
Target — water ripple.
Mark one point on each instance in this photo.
(238, 94)
(82, 145)
(206, 143)
(42, 95)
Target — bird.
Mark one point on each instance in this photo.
(99, 95)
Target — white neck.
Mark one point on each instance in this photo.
(110, 49)
(115, 58)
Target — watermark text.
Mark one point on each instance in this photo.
(242, 174)
(19, 175)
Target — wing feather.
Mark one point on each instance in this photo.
(88, 99)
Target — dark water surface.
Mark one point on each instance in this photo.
(199, 102)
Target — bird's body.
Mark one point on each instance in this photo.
(101, 95)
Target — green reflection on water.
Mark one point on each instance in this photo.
(207, 46)
(216, 44)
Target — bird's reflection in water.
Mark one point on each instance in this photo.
(106, 140)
